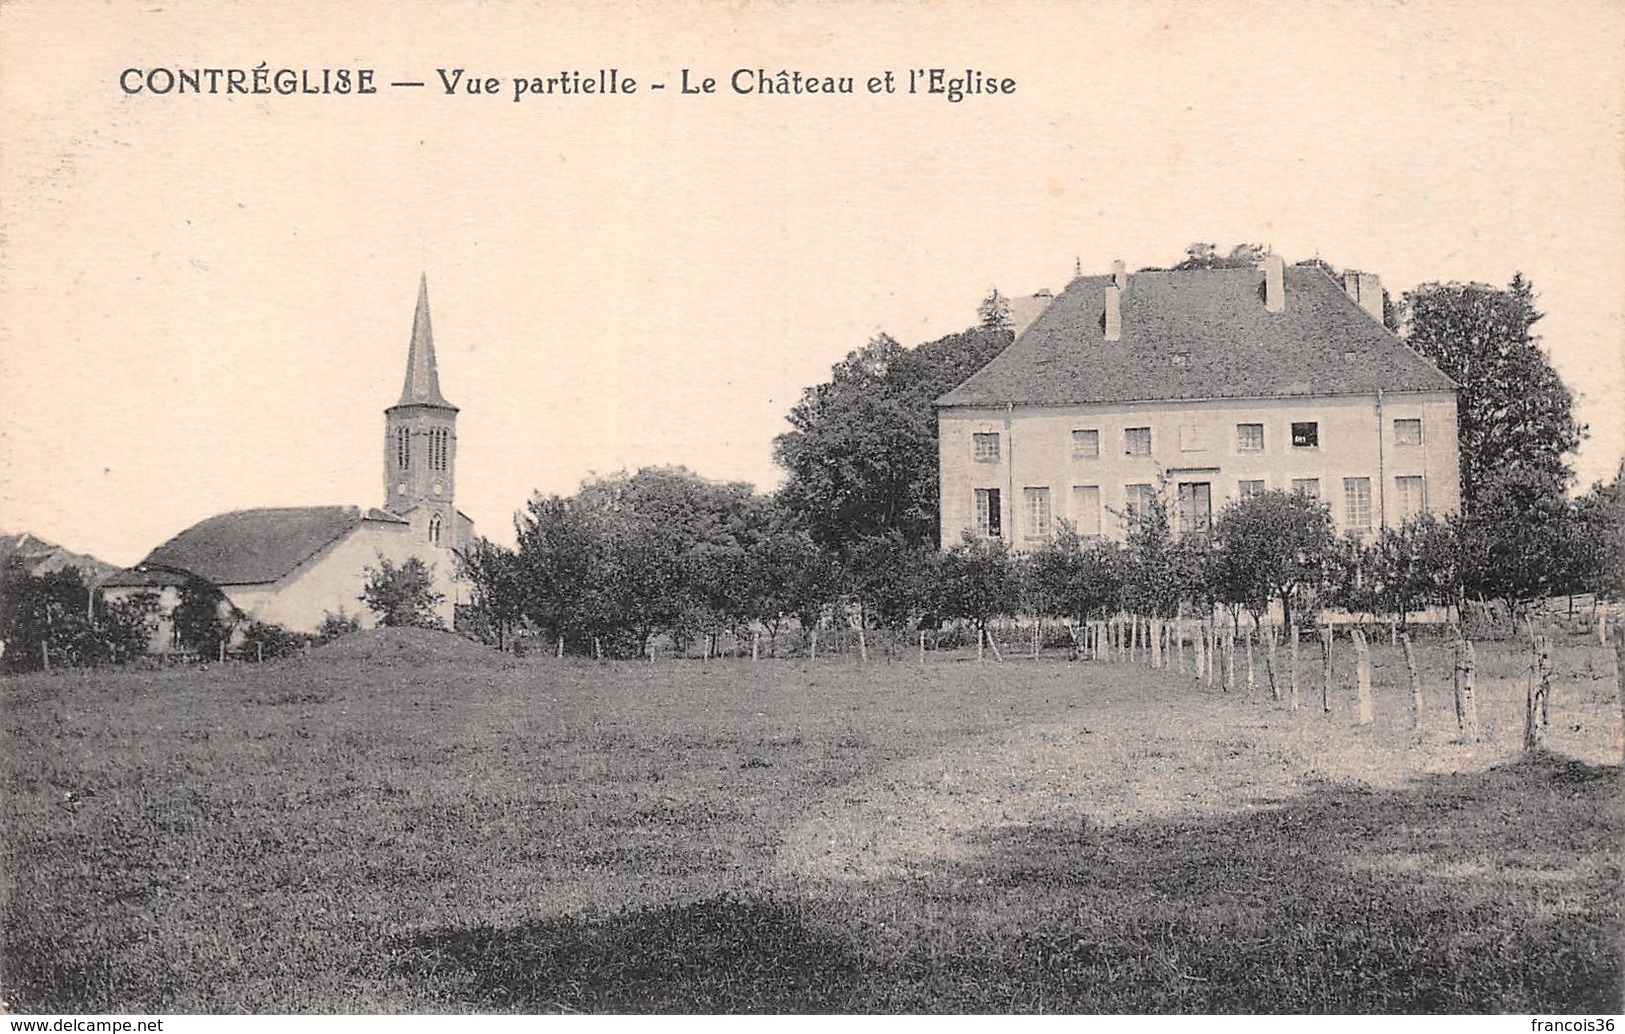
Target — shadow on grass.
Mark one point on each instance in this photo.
(1488, 892)
(722, 955)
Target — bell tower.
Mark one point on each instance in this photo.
(420, 440)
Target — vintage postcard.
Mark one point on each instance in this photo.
(669, 506)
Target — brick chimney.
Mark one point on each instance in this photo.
(1366, 290)
(1274, 284)
(1114, 313)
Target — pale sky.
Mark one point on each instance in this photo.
(205, 301)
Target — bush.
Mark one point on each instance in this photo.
(264, 641)
(335, 626)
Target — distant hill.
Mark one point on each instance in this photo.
(42, 557)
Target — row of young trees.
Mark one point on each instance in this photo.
(663, 553)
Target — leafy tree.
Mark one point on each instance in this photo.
(1518, 540)
(1353, 576)
(493, 574)
(1162, 572)
(977, 581)
(1070, 579)
(892, 580)
(994, 312)
(1416, 564)
(402, 595)
(861, 455)
(1271, 547)
(1601, 517)
(559, 563)
(204, 618)
(1514, 415)
(1201, 255)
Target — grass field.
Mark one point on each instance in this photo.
(408, 823)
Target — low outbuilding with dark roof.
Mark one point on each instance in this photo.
(1204, 386)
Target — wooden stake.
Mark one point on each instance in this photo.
(1416, 681)
(561, 646)
(1229, 656)
(755, 645)
(259, 653)
(1272, 635)
(222, 651)
(1466, 706)
(1250, 683)
(1362, 677)
(45, 654)
(597, 649)
(1294, 697)
(922, 649)
(1326, 669)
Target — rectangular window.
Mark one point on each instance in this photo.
(1249, 489)
(1086, 444)
(1407, 432)
(987, 447)
(1137, 501)
(1307, 486)
(1037, 512)
(1190, 438)
(1086, 508)
(1357, 503)
(1306, 435)
(1410, 497)
(1249, 437)
(1137, 441)
(989, 523)
(1195, 507)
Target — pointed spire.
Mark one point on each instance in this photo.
(422, 387)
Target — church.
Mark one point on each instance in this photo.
(295, 566)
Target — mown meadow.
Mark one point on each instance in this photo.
(404, 822)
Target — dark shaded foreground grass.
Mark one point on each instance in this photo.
(1440, 898)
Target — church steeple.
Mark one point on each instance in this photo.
(420, 441)
(422, 387)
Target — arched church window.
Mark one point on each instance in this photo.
(434, 530)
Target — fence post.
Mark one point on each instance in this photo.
(1229, 655)
(922, 649)
(1251, 685)
(756, 645)
(1272, 636)
(1466, 706)
(1326, 669)
(1295, 700)
(1416, 681)
(561, 646)
(1362, 677)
